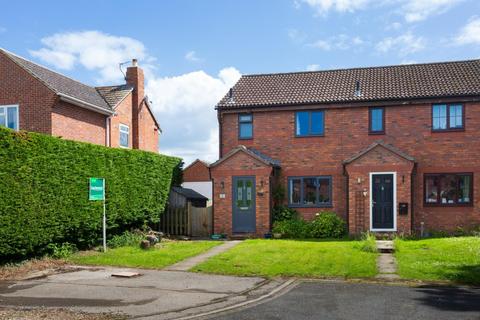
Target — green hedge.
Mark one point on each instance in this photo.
(44, 191)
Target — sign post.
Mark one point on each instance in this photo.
(96, 192)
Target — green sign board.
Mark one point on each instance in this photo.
(96, 190)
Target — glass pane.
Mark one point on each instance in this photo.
(302, 123)
(464, 189)
(246, 118)
(309, 191)
(448, 189)
(324, 191)
(2, 117)
(123, 139)
(456, 116)
(12, 121)
(317, 122)
(239, 193)
(249, 193)
(431, 190)
(246, 130)
(376, 118)
(295, 185)
(439, 117)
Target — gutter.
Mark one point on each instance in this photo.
(84, 104)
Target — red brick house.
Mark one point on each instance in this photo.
(389, 149)
(35, 98)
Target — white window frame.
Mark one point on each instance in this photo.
(394, 173)
(5, 108)
(121, 129)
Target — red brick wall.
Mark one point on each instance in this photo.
(123, 115)
(80, 124)
(147, 130)
(135, 78)
(408, 127)
(240, 164)
(35, 100)
(197, 171)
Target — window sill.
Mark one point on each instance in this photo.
(310, 136)
(448, 130)
(375, 133)
(239, 138)
(448, 205)
(314, 206)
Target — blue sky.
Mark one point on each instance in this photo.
(193, 51)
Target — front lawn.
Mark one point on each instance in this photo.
(165, 254)
(453, 259)
(271, 258)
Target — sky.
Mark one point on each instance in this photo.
(193, 51)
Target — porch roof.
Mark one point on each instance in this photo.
(381, 144)
(251, 152)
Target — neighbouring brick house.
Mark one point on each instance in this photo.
(196, 176)
(35, 98)
(389, 149)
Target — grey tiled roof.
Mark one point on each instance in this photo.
(114, 94)
(61, 84)
(458, 78)
(273, 162)
(250, 151)
(189, 193)
(383, 144)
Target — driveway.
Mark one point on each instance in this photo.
(342, 300)
(153, 295)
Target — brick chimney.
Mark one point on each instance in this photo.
(135, 78)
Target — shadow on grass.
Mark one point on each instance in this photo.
(450, 298)
(469, 274)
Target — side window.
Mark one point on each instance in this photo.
(309, 123)
(124, 136)
(245, 126)
(376, 120)
(447, 117)
(9, 117)
(310, 191)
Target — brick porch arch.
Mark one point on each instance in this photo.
(379, 157)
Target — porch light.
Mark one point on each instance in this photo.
(222, 185)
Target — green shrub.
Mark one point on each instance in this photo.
(44, 191)
(327, 225)
(281, 213)
(293, 228)
(126, 239)
(61, 251)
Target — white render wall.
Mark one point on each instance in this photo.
(202, 187)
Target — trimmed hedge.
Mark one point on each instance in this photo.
(44, 191)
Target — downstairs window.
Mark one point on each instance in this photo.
(310, 191)
(448, 189)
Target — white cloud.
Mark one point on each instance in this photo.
(192, 56)
(339, 42)
(322, 7)
(393, 26)
(418, 10)
(313, 67)
(184, 106)
(404, 44)
(470, 33)
(2, 29)
(93, 50)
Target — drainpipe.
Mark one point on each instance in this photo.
(107, 129)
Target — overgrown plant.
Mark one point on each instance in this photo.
(126, 239)
(44, 191)
(61, 251)
(369, 242)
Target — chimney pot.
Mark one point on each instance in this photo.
(134, 63)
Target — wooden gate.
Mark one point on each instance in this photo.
(187, 221)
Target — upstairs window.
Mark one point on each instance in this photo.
(309, 123)
(448, 189)
(124, 136)
(245, 126)
(9, 116)
(376, 120)
(447, 117)
(310, 191)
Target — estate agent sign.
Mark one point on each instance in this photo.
(96, 192)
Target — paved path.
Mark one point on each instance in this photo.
(331, 300)
(188, 264)
(153, 295)
(386, 264)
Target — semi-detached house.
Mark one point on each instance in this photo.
(389, 149)
(35, 98)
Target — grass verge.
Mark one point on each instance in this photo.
(164, 254)
(270, 258)
(452, 259)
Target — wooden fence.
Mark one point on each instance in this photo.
(187, 221)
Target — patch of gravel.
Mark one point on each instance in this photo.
(53, 314)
